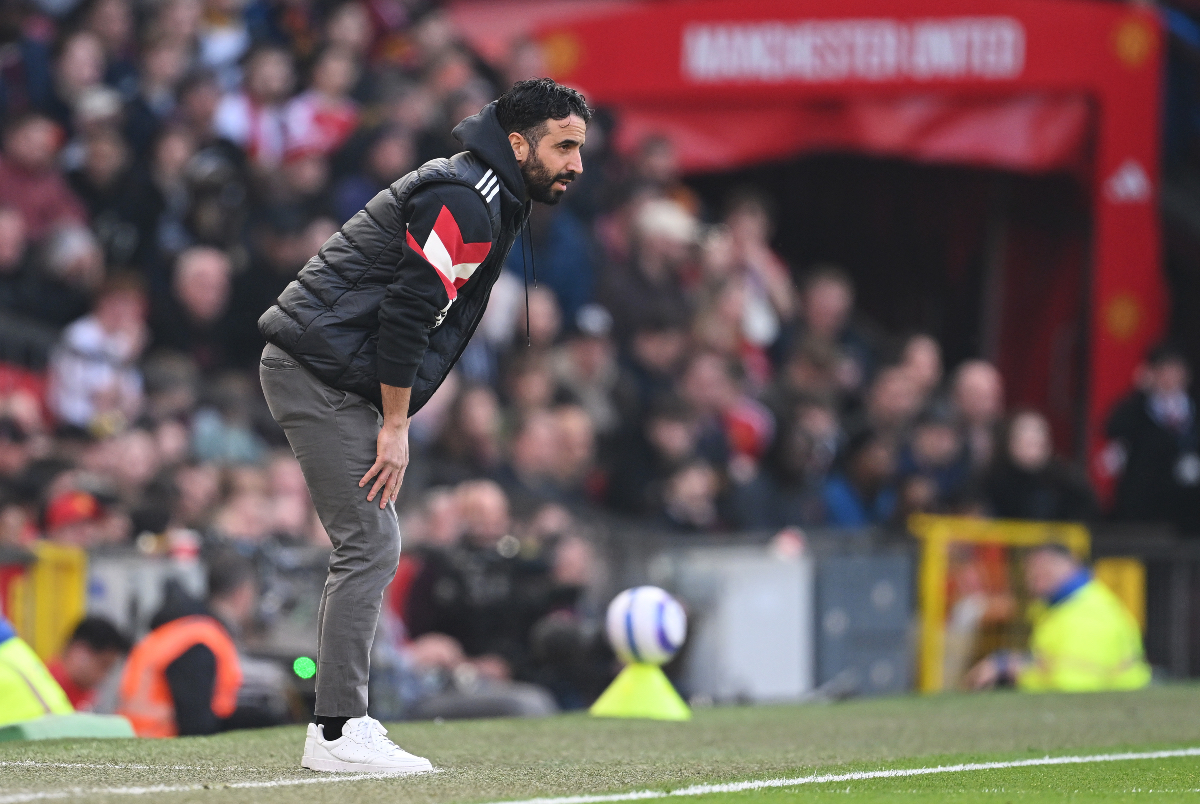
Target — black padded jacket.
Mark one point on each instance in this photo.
(395, 295)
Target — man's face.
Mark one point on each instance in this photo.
(87, 667)
(554, 162)
(1046, 571)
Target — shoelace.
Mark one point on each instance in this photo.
(377, 739)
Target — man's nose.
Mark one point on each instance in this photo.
(576, 164)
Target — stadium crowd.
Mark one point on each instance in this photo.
(167, 168)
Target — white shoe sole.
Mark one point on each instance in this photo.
(341, 766)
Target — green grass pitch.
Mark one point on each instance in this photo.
(573, 755)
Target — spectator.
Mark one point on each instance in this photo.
(164, 63)
(1155, 446)
(656, 173)
(936, 451)
(922, 359)
(468, 446)
(529, 475)
(978, 398)
(486, 592)
(827, 305)
(690, 497)
(893, 403)
(222, 38)
(388, 153)
(14, 450)
(1030, 483)
(29, 182)
(733, 425)
(113, 24)
(861, 491)
(810, 370)
(91, 653)
(184, 677)
(194, 320)
(29, 289)
(79, 519)
(770, 300)
(323, 117)
(114, 189)
(529, 383)
(585, 367)
(254, 118)
(78, 67)
(94, 378)
(544, 322)
(786, 491)
(652, 364)
(666, 440)
(649, 286)
(26, 84)
(575, 472)
(1084, 640)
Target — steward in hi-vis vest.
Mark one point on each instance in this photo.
(1086, 641)
(27, 690)
(146, 697)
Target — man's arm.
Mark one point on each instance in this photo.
(448, 234)
(391, 447)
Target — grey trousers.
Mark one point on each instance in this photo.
(333, 435)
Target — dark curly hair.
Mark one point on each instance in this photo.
(529, 104)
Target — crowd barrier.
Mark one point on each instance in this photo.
(837, 612)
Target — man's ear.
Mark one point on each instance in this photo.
(520, 146)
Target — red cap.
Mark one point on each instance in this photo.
(72, 507)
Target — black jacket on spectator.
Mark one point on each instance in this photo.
(395, 295)
(1152, 487)
(490, 603)
(1056, 493)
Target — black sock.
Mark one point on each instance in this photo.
(331, 727)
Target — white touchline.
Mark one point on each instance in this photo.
(33, 763)
(696, 790)
(857, 776)
(74, 792)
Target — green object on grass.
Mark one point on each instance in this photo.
(78, 725)
(304, 667)
(641, 691)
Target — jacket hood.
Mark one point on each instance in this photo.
(482, 135)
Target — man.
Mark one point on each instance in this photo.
(1085, 640)
(93, 650)
(363, 338)
(1155, 447)
(27, 690)
(185, 676)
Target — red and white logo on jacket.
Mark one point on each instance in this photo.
(444, 249)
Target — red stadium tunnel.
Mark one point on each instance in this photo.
(1070, 290)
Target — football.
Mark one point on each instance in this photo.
(646, 625)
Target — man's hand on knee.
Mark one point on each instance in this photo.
(391, 447)
(390, 462)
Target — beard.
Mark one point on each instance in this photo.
(539, 182)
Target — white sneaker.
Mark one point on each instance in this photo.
(364, 747)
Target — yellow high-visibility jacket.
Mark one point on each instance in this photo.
(1086, 643)
(27, 690)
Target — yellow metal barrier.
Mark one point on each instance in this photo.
(50, 598)
(937, 534)
(1126, 577)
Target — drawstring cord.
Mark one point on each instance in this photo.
(525, 275)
